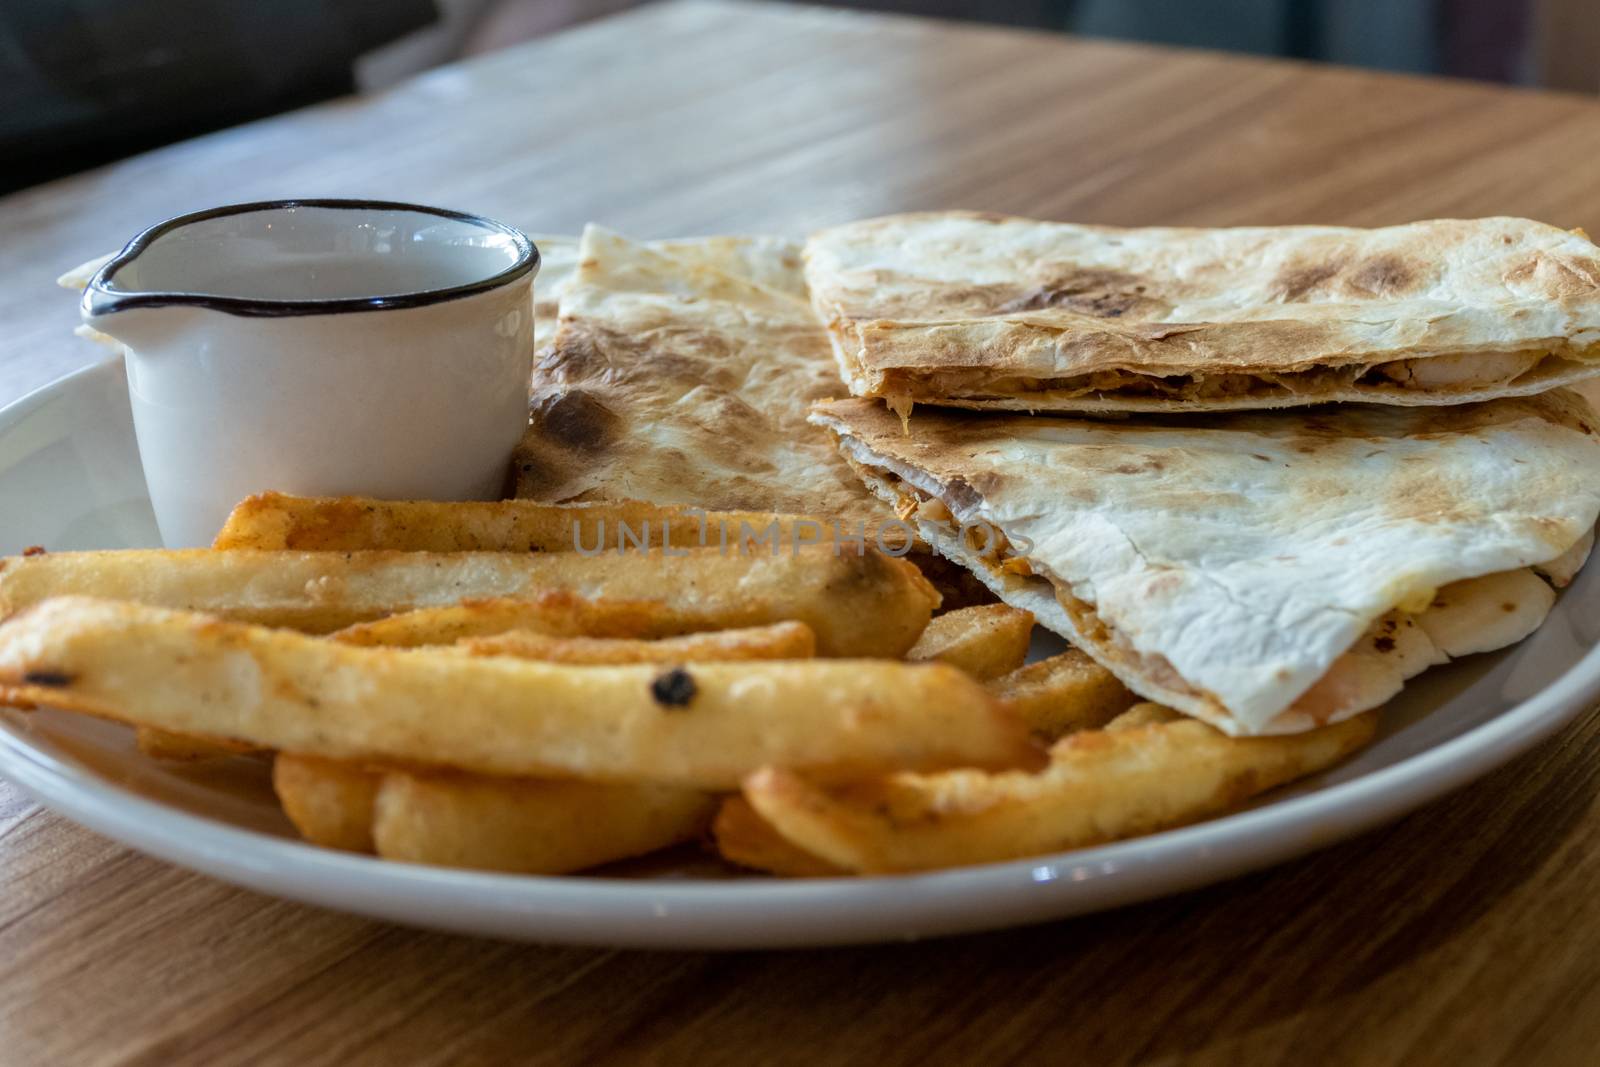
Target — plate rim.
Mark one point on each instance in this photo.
(762, 913)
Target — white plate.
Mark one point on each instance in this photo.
(70, 478)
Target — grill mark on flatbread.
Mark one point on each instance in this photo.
(1559, 275)
(1298, 281)
(1101, 293)
(1384, 276)
(575, 419)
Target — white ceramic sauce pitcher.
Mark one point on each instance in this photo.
(320, 347)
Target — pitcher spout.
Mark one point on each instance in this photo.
(143, 327)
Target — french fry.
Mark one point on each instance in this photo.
(745, 839)
(356, 524)
(558, 614)
(1143, 715)
(706, 726)
(869, 605)
(782, 640)
(1100, 786)
(329, 802)
(530, 826)
(1063, 693)
(985, 641)
(182, 748)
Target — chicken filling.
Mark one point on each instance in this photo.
(1463, 372)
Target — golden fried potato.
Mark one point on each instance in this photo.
(1063, 693)
(558, 614)
(359, 524)
(745, 840)
(530, 826)
(869, 605)
(1143, 715)
(704, 725)
(782, 640)
(1100, 785)
(985, 641)
(329, 802)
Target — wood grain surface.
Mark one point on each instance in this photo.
(1468, 933)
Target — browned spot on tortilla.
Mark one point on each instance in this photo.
(1106, 294)
(33, 550)
(992, 217)
(1297, 281)
(1386, 275)
(1140, 465)
(1383, 644)
(576, 419)
(1558, 275)
(1163, 583)
(1508, 608)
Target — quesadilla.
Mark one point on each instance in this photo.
(681, 372)
(987, 311)
(1265, 572)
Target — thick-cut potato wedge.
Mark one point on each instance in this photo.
(329, 802)
(1063, 693)
(781, 640)
(1100, 786)
(870, 605)
(985, 641)
(357, 524)
(745, 839)
(530, 826)
(706, 725)
(559, 614)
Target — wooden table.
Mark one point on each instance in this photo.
(1468, 933)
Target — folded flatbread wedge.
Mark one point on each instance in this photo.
(682, 372)
(989, 311)
(1266, 573)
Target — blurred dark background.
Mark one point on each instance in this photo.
(88, 81)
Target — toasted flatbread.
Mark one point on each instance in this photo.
(988, 311)
(558, 262)
(682, 373)
(1266, 572)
